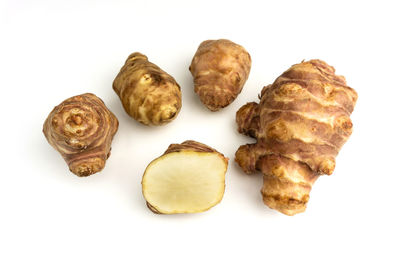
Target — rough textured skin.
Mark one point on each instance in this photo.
(300, 124)
(220, 69)
(148, 94)
(191, 145)
(188, 145)
(81, 128)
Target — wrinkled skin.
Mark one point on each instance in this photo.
(220, 69)
(301, 122)
(81, 128)
(148, 94)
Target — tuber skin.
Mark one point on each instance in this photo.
(81, 128)
(301, 122)
(186, 147)
(190, 145)
(220, 69)
(148, 94)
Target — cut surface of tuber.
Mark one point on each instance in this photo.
(184, 182)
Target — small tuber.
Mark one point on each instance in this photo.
(148, 94)
(81, 128)
(220, 69)
(301, 122)
(187, 178)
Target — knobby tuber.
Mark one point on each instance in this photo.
(148, 94)
(220, 69)
(187, 178)
(300, 125)
(81, 128)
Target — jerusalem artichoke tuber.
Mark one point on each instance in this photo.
(187, 178)
(300, 124)
(81, 128)
(220, 69)
(148, 94)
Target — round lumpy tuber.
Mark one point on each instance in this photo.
(81, 128)
(301, 122)
(187, 178)
(220, 69)
(148, 94)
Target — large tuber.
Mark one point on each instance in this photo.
(81, 128)
(300, 124)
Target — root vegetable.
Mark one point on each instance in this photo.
(300, 124)
(81, 128)
(148, 94)
(187, 178)
(220, 69)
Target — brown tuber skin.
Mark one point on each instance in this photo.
(300, 125)
(148, 94)
(81, 128)
(220, 69)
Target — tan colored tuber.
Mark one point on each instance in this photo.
(148, 94)
(81, 128)
(301, 122)
(220, 69)
(187, 178)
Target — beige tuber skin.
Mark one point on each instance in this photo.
(220, 69)
(81, 128)
(301, 122)
(148, 94)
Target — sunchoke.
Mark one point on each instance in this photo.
(81, 128)
(148, 94)
(300, 124)
(187, 178)
(220, 69)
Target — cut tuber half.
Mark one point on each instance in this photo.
(187, 178)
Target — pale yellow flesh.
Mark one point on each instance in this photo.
(185, 182)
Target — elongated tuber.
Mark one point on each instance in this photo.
(220, 69)
(148, 94)
(81, 128)
(187, 178)
(300, 124)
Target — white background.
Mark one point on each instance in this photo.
(52, 50)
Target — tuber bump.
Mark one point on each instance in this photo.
(220, 69)
(148, 94)
(81, 128)
(300, 125)
(187, 178)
